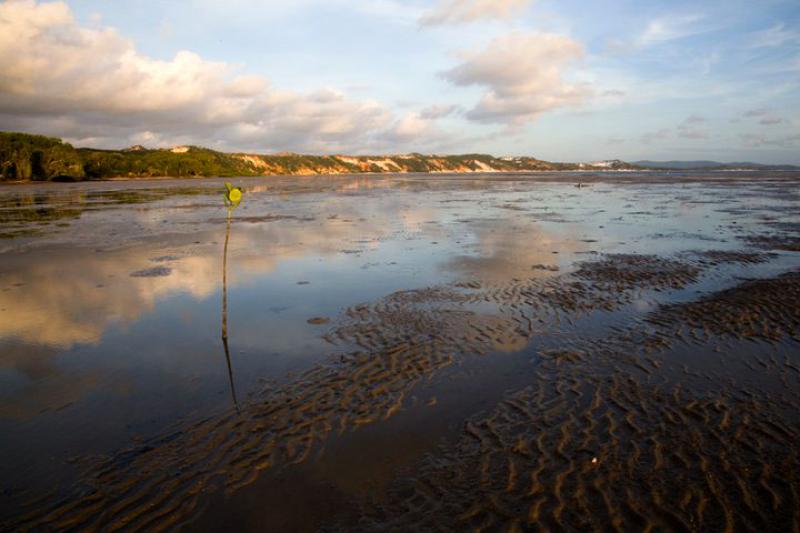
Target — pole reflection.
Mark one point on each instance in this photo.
(231, 203)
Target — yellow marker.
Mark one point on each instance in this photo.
(233, 195)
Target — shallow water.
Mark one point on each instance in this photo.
(112, 362)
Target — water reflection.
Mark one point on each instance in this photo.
(516, 248)
(72, 316)
(61, 298)
(35, 384)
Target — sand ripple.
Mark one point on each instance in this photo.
(607, 436)
(601, 436)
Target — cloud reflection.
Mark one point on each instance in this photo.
(514, 248)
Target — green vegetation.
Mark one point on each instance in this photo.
(35, 157)
(25, 157)
(194, 161)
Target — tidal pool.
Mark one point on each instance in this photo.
(403, 353)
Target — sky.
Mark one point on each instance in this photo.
(560, 80)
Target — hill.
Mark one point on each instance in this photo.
(26, 157)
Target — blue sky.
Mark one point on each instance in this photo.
(559, 80)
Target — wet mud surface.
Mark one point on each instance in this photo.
(613, 434)
(538, 374)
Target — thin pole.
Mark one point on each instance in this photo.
(225, 310)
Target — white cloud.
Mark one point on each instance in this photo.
(614, 93)
(409, 128)
(770, 120)
(760, 112)
(753, 140)
(693, 133)
(692, 128)
(670, 28)
(418, 131)
(438, 111)
(765, 117)
(756, 140)
(61, 78)
(460, 11)
(693, 119)
(523, 73)
(652, 136)
(268, 11)
(772, 37)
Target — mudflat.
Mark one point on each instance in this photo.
(402, 352)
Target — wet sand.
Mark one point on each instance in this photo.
(622, 356)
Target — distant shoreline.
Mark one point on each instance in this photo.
(586, 175)
(25, 157)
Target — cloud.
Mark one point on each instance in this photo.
(693, 133)
(693, 119)
(753, 140)
(765, 116)
(92, 84)
(438, 111)
(652, 136)
(523, 73)
(409, 128)
(771, 120)
(756, 140)
(670, 28)
(665, 30)
(756, 112)
(418, 131)
(461, 11)
(773, 37)
(690, 128)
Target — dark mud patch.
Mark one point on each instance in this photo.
(154, 272)
(684, 235)
(606, 436)
(625, 271)
(39, 213)
(741, 257)
(262, 218)
(164, 258)
(767, 309)
(548, 268)
(511, 207)
(787, 227)
(787, 243)
(20, 233)
(592, 453)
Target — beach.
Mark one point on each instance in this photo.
(492, 352)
